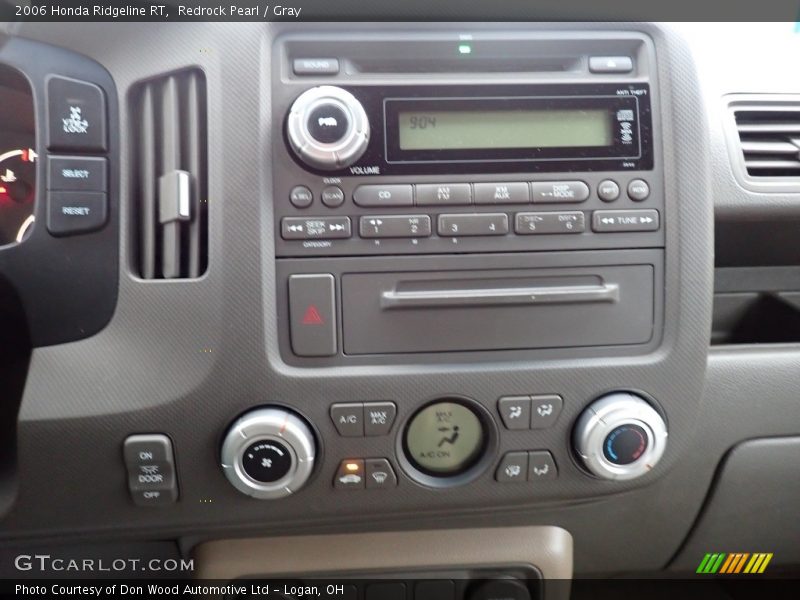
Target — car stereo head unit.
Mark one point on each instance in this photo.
(439, 128)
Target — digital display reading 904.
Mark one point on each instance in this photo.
(498, 129)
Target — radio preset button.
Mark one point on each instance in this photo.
(610, 221)
(608, 190)
(502, 193)
(559, 191)
(395, 226)
(332, 196)
(443, 194)
(533, 223)
(473, 225)
(315, 228)
(638, 190)
(301, 196)
(384, 195)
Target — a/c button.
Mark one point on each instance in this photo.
(69, 213)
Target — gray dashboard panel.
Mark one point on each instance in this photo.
(185, 358)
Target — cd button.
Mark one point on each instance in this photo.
(502, 193)
(559, 191)
(327, 123)
(468, 225)
(444, 194)
(384, 195)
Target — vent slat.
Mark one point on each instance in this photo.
(756, 163)
(147, 186)
(769, 147)
(193, 165)
(769, 127)
(170, 178)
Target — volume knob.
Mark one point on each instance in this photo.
(327, 128)
(268, 453)
(620, 436)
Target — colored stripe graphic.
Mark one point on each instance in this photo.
(712, 562)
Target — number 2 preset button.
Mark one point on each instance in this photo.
(394, 226)
(473, 225)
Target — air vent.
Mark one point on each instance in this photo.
(765, 141)
(169, 178)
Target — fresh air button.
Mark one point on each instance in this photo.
(350, 475)
(379, 418)
(70, 213)
(76, 116)
(348, 418)
(541, 465)
(610, 221)
(312, 314)
(610, 64)
(502, 193)
(315, 66)
(384, 195)
(77, 173)
(471, 225)
(379, 474)
(443, 194)
(327, 123)
(395, 226)
(515, 411)
(513, 467)
(543, 192)
(545, 409)
(549, 222)
(151, 469)
(315, 228)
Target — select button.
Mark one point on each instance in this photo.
(70, 213)
(77, 173)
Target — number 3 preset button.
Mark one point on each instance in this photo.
(477, 224)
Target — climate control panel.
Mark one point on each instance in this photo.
(271, 452)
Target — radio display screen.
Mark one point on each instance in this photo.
(497, 129)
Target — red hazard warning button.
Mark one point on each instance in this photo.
(312, 315)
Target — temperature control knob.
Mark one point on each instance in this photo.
(620, 436)
(328, 128)
(268, 453)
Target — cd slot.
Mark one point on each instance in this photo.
(407, 65)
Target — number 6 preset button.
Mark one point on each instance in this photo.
(477, 224)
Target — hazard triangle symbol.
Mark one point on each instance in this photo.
(312, 316)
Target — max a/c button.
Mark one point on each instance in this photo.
(70, 213)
